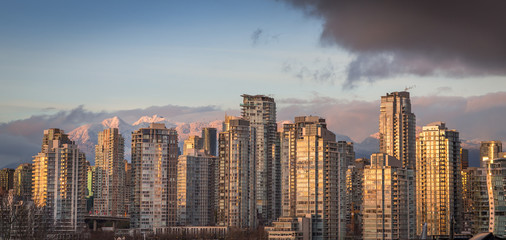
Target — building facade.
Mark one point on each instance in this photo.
(59, 180)
(438, 180)
(397, 128)
(6, 180)
(154, 162)
(489, 150)
(192, 143)
(23, 181)
(260, 111)
(317, 181)
(475, 200)
(387, 190)
(196, 189)
(235, 197)
(496, 185)
(109, 194)
(209, 139)
(354, 191)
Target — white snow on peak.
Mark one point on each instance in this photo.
(147, 119)
(113, 122)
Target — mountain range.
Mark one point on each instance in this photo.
(86, 135)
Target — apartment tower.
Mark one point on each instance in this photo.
(235, 197)
(6, 180)
(59, 180)
(316, 180)
(438, 180)
(489, 150)
(196, 188)
(397, 128)
(496, 185)
(109, 195)
(260, 111)
(23, 181)
(154, 162)
(388, 187)
(209, 139)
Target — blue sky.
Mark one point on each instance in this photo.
(114, 55)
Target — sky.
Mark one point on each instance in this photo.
(320, 57)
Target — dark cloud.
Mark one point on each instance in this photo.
(449, 38)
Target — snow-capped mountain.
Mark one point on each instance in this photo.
(86, 136)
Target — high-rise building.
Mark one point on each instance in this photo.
(128, 186)
(154, 162)
(317, 182)
(90, 186)
(23, 181)
(235, 197)
(196, 189)
(346, 157)
(475, 209)
(209, 139)
(464, 158)
(489, 150)
(496, 185)
(6, 180)
(438, 180)
(388, 187)
(192, 142)
(260, 111)
(397, 128)
(59, 180)
(354, 191)
(109, 194)
(288, 160)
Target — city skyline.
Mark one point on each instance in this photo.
(311, 173)
(201, 56)
(267, 119)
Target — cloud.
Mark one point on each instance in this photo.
(255, 36)
(318, 71)
(450, 38)
(477, 118)
(260, 36)
(21, 139)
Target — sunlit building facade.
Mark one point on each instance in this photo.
(23, 181)
(475, 200)
(196, 189)
(260, 111)
(387, 190)
(192, 143)
(109, 195)
(496, 185)
(236, 175)
(489, 150)
(397, 128)
(438, 180)
(59, 180)
(154, 162)
(317, 180)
